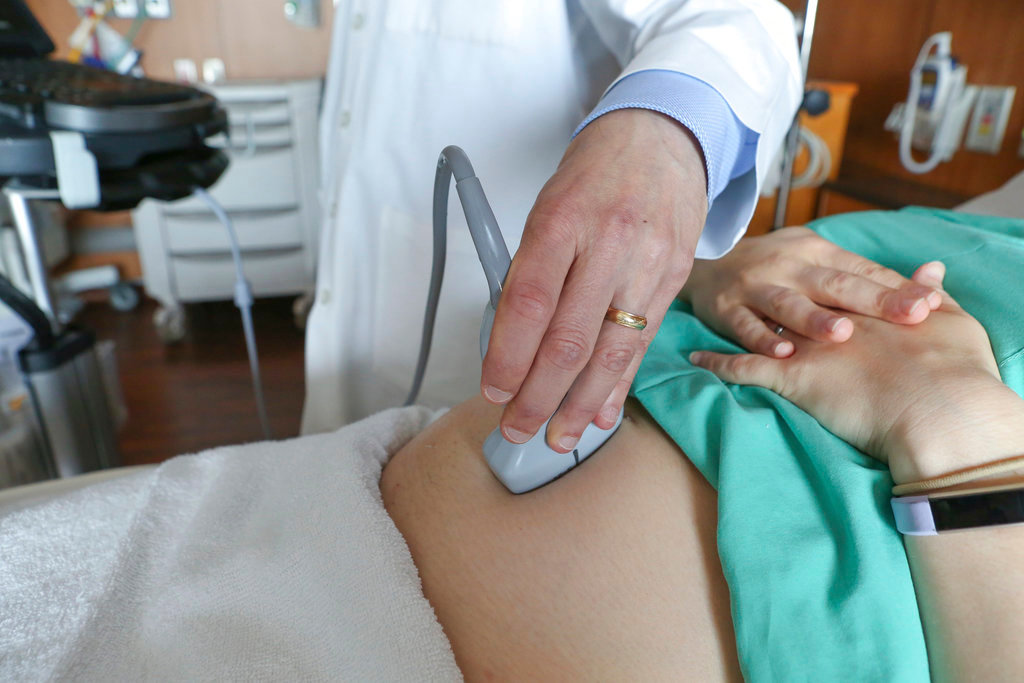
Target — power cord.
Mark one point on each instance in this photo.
(243, 299)
(819, 160)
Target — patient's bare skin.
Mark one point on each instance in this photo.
(609, 573)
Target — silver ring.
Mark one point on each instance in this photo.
(779, 329)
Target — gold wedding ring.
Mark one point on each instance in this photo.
(636, 322)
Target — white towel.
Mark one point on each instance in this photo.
(271, 561)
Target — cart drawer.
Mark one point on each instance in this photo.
(204, 277)
(199, 233)
(264, 179)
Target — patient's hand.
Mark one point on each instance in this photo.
(925, 398)
(791, 276)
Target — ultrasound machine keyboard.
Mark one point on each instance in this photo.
(42, 92)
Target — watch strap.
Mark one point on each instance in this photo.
(930, 515)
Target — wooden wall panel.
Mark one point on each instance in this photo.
(831, 203)
(256, 41)
(251, 36)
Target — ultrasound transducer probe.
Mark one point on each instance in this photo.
(520, 467)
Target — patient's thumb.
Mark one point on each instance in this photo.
(930, 274)
(739, 368)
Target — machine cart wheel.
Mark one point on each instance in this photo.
(170, 323)
(301, 308)
(123, 297)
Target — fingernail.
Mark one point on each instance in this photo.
(568, 442)
(836, 322)
(934, 300)
(696, 357)
(514, 435)
(610, 413)
(782, 349)
(933, 271)
(911, 307)
(496, 395)
(841, 329)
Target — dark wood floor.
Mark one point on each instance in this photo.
(197, 394)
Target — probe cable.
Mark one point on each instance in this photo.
(243, 299)
(487, 238)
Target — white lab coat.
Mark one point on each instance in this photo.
(508, 81)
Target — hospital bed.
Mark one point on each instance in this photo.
(273, 559)
(1004, 201)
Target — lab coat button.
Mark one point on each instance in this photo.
(325, 297)
(345, 118)
(358, 21)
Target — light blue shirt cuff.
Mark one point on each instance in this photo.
(729, 146)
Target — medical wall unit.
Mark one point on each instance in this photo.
(875, 44)
(938, 103)
(988, 122)
(270, 192)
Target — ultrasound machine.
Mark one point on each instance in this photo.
(89, 139)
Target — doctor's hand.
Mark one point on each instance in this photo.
(616, 225)
(794, 278)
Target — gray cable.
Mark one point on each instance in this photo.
(483, 226)
(442, 183)
(244, 300)
(789, 156)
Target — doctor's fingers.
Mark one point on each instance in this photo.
(601, 389)
(528, 301)
(577, 330)
(563, 353)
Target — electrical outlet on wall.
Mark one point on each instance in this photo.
(155, 9)
(991, 113)
(126, 9)
(158, 9)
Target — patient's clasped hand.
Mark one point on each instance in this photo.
(613, 571)
(906, 395)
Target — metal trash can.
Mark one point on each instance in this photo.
(72, 406)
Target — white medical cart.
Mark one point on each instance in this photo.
(270, 191)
